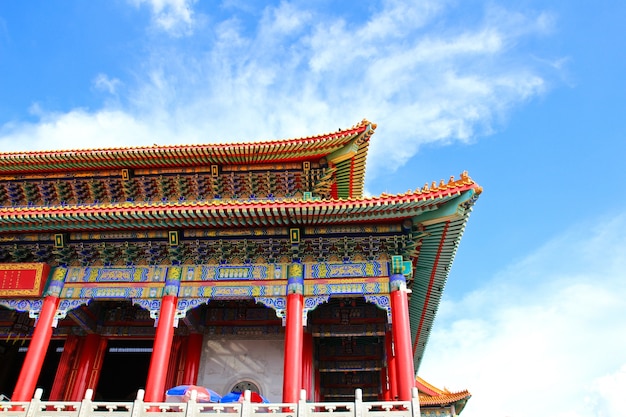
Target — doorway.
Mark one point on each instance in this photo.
(124, 370)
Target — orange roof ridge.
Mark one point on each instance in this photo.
(313, 138)
(457, 187)
(426, 387)
(464, 180)
(431, 395)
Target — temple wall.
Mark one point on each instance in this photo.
(225, 362)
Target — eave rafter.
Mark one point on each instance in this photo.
(277, 151)
(442, 234)
(231, 213)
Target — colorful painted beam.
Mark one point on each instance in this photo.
(127, 216)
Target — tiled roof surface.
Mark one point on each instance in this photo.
(232, 213)
(430, 395)
(187, 155)
(346, 149)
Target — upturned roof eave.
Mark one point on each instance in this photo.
(431, 396)
(209, 214)
(432, 267)
(262, 152)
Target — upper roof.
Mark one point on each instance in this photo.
(345, 150)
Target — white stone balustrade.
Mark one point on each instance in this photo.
(138, 408)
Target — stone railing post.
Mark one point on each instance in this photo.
(358, 402)
(138, 410)
(35, 403)
(246, 406)
(302, 410)
(86, 406)
(415, 403)
(192, 408)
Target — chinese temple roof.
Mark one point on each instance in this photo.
(234, 213)
(431, 396)
(433, 217)
(346, 150)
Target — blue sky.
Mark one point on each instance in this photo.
(528, 96)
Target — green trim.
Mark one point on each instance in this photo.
(447, 211)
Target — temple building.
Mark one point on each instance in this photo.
(256, 266)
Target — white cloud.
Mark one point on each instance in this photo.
(172, 16)
(606, 394)
(299, 71)
(546, 336)
(80, 129)
(103, 83)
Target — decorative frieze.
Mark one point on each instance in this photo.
(227, 248)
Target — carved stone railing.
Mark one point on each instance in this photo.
(139, 408)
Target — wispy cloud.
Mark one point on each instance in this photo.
(79, 129)
(546, 336)
(103, 82)
(297, 70)
(172, 16)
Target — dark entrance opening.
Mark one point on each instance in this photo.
(349, 338)
(124, 370)
(50, 366)
(12, 359)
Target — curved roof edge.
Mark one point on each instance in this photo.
(294, 149)
(441, 233)
(345, 150)
(236, 213)
(431, 396)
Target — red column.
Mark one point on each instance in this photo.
(391, 367)
(318, 387)
(401, 327)
(157, 372)
(175, 357)
(292, 371)
(307, 365)
(194, 353)
(64, 371)
(179, 362)
(93, 377)
(86, 363)
(384, 394)
(27, 380)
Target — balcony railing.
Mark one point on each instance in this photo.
(139, 408)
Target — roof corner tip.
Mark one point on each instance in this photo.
(367, 124)
(465, 179)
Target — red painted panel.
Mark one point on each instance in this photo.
(23, 280)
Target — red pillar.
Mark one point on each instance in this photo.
(62, 378)
(93, 377)
(391, 367)
(194, 353)
(178, 362)
(89, 353)
(27, 380)
(385, 394)
(318, 387)
(292, 371)
(175, 357)
(307, 365)
(401, 327)
(157, 372)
